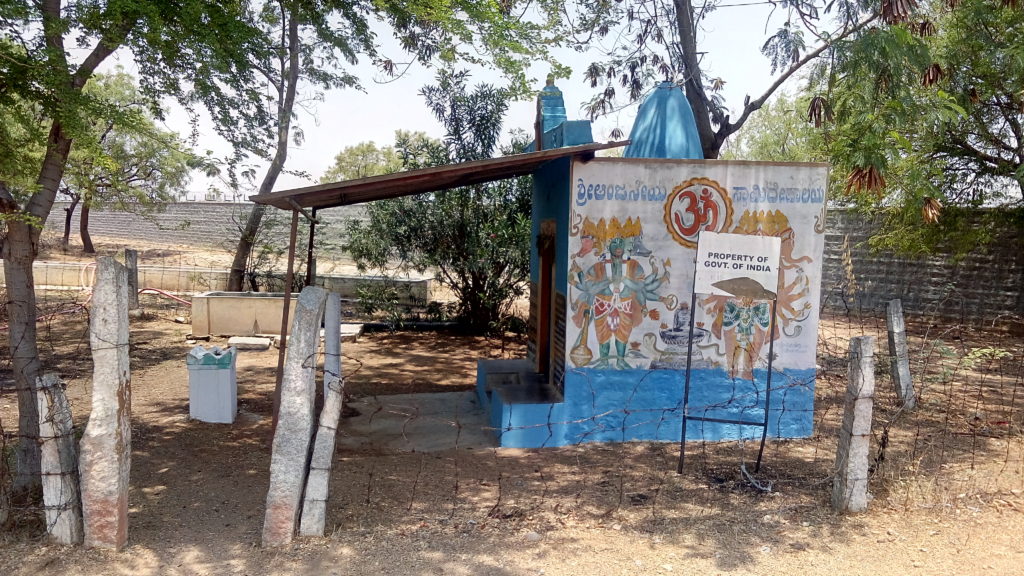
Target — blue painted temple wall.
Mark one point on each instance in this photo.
(637, 405)
(550, 202)
(637, 394)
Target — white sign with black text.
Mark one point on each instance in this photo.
(737, 265)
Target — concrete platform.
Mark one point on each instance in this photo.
(249, 342)
(524, 410)
(417, 423)
(351, 331)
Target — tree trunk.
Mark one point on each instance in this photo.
(21, 247)
(83, 229)
(694, 80)
(285, 105)
(19, 252)
(68, 216)
(244, 248)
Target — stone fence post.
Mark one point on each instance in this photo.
(314, 505)
(106, 447)
(850, 487)
(131, 262)
(59, 462)
(899, 366)
(289, 458)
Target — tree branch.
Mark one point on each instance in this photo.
(997, 165)
(108, 43)
(728, 128)
(265, 72)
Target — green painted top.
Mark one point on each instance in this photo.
(215, 356)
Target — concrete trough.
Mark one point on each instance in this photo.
(237, 313)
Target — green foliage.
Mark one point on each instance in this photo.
(980, 356)
(312, 42)
(981, 46)
(509, 35)
(381, 297)
(785, 47)
(22, 138)
(128, 162)
(928, 114)
(362, 160)
(191, 50)
(476, 238)
(778, 133)
(643, 42)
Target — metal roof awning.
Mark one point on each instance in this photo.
(422, 180)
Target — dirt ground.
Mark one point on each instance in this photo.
(948, 479)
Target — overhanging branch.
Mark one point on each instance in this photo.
(752, 106)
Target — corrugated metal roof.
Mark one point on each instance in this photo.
(422, 180)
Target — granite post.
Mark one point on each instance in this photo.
(131, 262)
(59, 462)
(899, 366)
(314, 501)
(314, 506)
(105, 460)
(289, 459)
(850, 487)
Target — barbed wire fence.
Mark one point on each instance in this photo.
(962, 444)
(63, 294)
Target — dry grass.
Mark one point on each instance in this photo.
(947, 476)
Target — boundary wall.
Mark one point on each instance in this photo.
(980, 287)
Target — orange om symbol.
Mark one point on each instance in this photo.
(695, 205)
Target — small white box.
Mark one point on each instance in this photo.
(212, 387)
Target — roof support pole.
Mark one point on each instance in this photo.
(289, 278)
(310, 263)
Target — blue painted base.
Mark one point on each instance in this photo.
(645, 405)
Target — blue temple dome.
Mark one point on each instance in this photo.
(664, 127)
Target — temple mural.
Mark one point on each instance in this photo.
(633, 234)
(618, 285)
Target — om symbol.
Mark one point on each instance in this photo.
(695, 205)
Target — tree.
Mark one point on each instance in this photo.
(642, 42)
(128, 163)
(192, 50)
(928, 114)
(980, 57)
(363, 160)
(292, 55)
(477, 237)
(778, 133)
(312, 46)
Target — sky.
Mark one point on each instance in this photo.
(731, 40)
